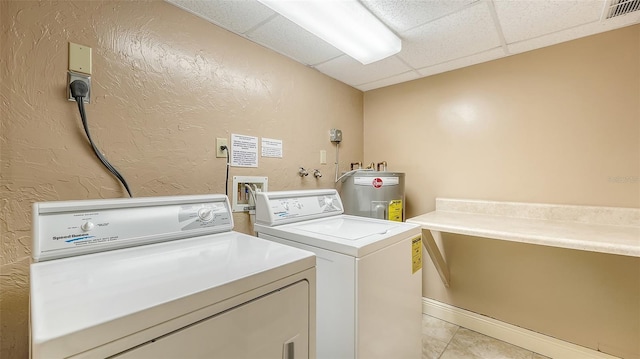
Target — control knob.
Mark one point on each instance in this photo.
(328, 201)
(205, 214)
(87, 226)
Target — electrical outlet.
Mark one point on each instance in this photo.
(221, 142)
(323, 157)
(72, 76)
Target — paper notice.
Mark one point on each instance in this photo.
(271, 148)
(244, 151)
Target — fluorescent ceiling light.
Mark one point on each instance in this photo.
(345, 24)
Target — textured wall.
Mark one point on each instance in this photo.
(555, 125)
(165, 85)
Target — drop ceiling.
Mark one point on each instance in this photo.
(437, 35)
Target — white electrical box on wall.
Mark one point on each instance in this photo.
(241, 199)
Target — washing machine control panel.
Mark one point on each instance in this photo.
(273, 208)
(64, 229)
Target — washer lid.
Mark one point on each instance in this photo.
(351, 235)
(346, 228)
(79, 303)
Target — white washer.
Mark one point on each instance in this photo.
(201, 290)
(369, 273)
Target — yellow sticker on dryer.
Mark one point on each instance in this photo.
(395, 210)
(416, 253)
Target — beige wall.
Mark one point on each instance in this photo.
(556, 125)
(165, 85)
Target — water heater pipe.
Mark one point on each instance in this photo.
(356, 163)
(337, 160)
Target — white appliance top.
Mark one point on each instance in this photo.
(308, 217)
(81, 302)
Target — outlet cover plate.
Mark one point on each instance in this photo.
(221, 142)
(79, 58)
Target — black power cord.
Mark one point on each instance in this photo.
(226, 182)
(79, 91)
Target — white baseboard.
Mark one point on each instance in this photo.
(524, 338)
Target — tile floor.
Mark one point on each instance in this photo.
(443, 340)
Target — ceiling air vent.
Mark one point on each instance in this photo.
(621, 7)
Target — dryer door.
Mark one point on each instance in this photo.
(273, 326)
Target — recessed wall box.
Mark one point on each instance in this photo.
(241, 200)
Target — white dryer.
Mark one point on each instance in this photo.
(164, 277)
(369, 273)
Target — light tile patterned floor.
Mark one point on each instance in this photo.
(443, 340)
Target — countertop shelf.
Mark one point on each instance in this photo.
(609, 230)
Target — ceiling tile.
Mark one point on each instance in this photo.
(464, 33)
(437, 35)
(525, 19)
(407, 76)
(237, 16)
(574, 33)
(353, 73)
(404, 15)
(463, 62)
(289, 39)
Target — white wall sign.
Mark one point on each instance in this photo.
(271, 148)
(244, 151)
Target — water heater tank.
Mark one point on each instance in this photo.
(375, 194)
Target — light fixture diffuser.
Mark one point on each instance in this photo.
(345, 24)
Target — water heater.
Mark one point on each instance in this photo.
(375, 194)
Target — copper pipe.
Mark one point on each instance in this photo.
(356, 163)
(384, 166)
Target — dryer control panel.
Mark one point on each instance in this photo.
(69, 228)
(274, 208)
